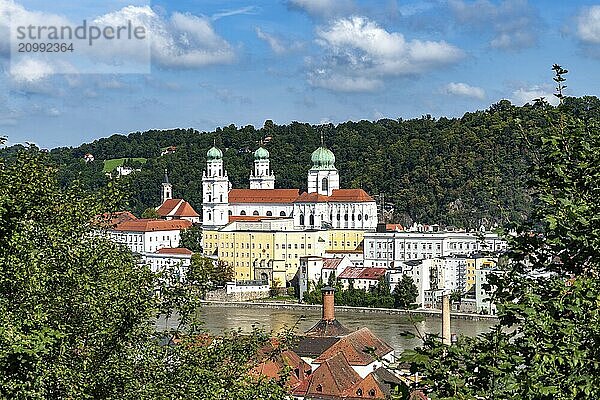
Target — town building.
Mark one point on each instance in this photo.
(390, 249)
(148, 235)
(319, 269)
(323, 206)
(171, 208)
(361, 277)
(166, 258)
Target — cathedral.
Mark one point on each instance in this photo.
(323, 206)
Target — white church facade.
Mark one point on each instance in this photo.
(323, 206)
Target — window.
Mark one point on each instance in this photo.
(301, 219)
(282, 214)
(242, 212)
(338, 217)
(372, 392)
(269, 213)
(359, 217)
(345, 217)
(229, 212)
(255, 212)
(311, 219)
(359, 392)
(324, 184)
(366, 217)
(319, 388)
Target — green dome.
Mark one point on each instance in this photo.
(322, 158)
(214, 154)
(261, 154)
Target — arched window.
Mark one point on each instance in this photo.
(359, 217)
(324, 185)
(229, 212)
(311, 220)
(366, 217)
(338, 217)
(269, 213)
(345, 217)
(221, 198)
(352, 217)
(255, 212)
(301, 219)
(209, 197)
(209, 216)
(242, 212)
(282, 214)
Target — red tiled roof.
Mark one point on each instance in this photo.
(362, 273)
(312, 198)
(110, 220)
(175, 250)
(394, 227)
(347, 195)
(368, 387)
(344, 251)
(337, 195)
(263, 195)
(354, 346)
(273, 365)
(331, 263)
(150, 225)
(332, 378)
(177, 208)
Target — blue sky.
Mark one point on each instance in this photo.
(214, 63)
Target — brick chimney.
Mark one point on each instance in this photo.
(328, 303)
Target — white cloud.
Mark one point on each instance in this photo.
(588, 25)
(464, 90)
(360, 54)
(323, 8)
(278, 44)
(525, 95)
(181, 41)
(29, 70)
(513, 22)
(175, 41)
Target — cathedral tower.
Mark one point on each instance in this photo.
(262, 177)
(215, 191)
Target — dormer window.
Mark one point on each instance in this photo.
(319, 388)
(359, 392)
(372, 392)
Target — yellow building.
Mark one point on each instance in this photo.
(475, 263)
(270, 249)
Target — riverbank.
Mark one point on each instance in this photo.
(346, 309)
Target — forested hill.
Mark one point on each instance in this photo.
(458, 171)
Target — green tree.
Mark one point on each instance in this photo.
(545, 345)
(191, 239)
(150, 213)
(405, 293)
(77, 311)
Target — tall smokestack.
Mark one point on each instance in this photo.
(328, 303)
(446, 337)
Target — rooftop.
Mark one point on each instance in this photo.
(152, 225)
(263, 195)
(362, 273)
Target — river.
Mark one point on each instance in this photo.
(388, 327)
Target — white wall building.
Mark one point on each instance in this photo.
(148, 235)
(312, 269)
(177, 259)
(325, 205)
(390, 249)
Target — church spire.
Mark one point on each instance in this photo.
(167, 189)
(166, 178)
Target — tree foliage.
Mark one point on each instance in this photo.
(546, 345)
(77, 311)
